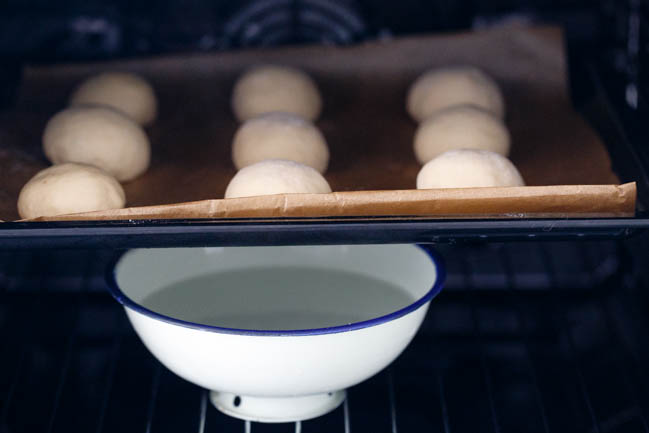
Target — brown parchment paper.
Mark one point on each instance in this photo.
(534, 200)
(372, 168)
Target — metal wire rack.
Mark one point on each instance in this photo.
(535, 337)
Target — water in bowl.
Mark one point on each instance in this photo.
(278, 299)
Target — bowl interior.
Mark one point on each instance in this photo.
(276, 288)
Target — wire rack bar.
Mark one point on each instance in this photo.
(348, 424)
(442, 398)
(511, 286)
(61, 381)
(202, 411)
(155, 385)
(572, 352)
(468, 273)
(393, 405)
(110, 379)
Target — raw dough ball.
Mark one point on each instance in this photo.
(275, 88)
(276, 176)
(128, 93)
(280, 136)
(69, 188)
(468, 168)
(99, 136)
(460, 127)
(445, 87)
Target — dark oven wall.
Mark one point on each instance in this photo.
(44, 31)
(38, 31)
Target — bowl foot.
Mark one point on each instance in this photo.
(276, 409)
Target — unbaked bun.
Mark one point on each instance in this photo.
(276, 176)
(126, 92)
(69, 188)
(445, 87)
(99, 136)
(275, 88)
(460, 127)
(468, 168)
(280, 136)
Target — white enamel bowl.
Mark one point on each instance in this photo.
(275, 375)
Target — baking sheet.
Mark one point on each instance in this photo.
(365, 123)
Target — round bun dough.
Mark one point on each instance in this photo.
(276, 176)
(275, 88)
(69, 188)
(99, 136)
(280, 136)
(460, 127)
(445, 87)
(128, 93)
(468, 168)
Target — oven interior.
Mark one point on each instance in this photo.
(527, 336)
(538, 337)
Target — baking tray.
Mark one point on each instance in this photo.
(308, 231)
(358, 229)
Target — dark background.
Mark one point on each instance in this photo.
(527, 336)
(43, 31)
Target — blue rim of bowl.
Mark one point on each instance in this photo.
(127, 302)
